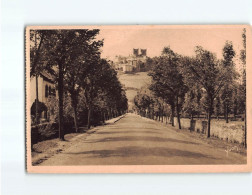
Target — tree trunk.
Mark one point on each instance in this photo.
(245, 129)
(103, 117)
(208, 124)
(60, 93)
(37, 73)
(209, 117)
(74, 103)
(226, 105)
(89, 116)
(37, 100)
(191, 122)
(178, 111)
(107, 114)
(75, 119)
(172, 114)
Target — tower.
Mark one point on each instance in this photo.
(143, 52)
(135, 52)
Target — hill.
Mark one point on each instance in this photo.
(132, 83)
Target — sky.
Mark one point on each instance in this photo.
(118, 41)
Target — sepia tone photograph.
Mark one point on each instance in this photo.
(137, 99)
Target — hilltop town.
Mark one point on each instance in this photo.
(132, 63)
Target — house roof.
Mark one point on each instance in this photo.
(47, 76)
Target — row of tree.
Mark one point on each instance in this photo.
(193, 86)
(85, 82)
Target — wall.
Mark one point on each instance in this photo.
(41, 89)
(232, 131)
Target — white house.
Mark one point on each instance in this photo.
(46, 88)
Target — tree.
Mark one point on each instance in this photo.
(91, 83)
(37, 39)
(83, 79)
(192, 101)
(209, 73)
(243, 85)
(167, 81)
(55, 54)
(143, 102)
(117, 102)
(218, 107)
(102, 89)
(160, 92)
(228, 55)
(60, 48)
(84, 49)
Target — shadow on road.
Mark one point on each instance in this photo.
(112, 127)
(134, 151)
(140, 138)
(129, 132)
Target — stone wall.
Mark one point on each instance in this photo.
(232, 131)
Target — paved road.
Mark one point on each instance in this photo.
(134, 140)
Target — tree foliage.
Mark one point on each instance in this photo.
(168, 81)
(199, 85)
(83, 80)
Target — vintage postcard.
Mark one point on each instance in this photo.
(138, 99)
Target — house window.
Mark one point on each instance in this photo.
(53, 92)
(46, 91)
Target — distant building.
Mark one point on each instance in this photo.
(134, 62)
(46, 88)
(127, 68)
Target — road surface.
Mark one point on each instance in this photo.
(134, 140)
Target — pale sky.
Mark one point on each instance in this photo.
(183, 41)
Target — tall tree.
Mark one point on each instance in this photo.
(192, 101)
(210, 74)
(59, 46)
(85, 48)
(228, 55)
(37, 39)
(168, 81)
(218, 107)
(243, 86)
(91, 83)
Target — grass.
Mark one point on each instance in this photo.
(132, 83)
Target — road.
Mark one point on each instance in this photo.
(134, 140)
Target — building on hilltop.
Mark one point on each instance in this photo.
(137, 53)
(132, 63)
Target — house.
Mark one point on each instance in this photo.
(46, 88)
(127, 68)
